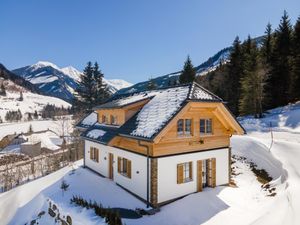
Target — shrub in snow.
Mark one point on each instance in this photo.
(64, 186)
(111, 216)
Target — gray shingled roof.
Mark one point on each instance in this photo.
(163, 105)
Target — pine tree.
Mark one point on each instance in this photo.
(29, 117)
(30, 129)
(35, 115)
(266, 49)
(21, 96)
(188, 73)
(279, 79)
(295, 78)
(2, 89)
(85, 92)
(151, 85)
(101, 93)
(235, 71)
(252, 83)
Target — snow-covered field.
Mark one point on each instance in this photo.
(30, 103)
(38, 125)
(248, 203)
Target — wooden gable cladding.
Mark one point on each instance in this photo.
(168, 142)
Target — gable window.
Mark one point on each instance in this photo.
(184, 172)
(180, 127)
(124, 167)
(188, 127)
(205, 126)
(94, 154)
(113, 119)
(184, 127)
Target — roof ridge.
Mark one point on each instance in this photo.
(204, 89)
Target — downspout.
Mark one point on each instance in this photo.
(147, 147)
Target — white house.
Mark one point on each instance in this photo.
(162, 144)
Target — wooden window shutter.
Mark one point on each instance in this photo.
(213, 172)
(91, 152)
(191, 170)
(97, 155)
(129, 168)
(119, 164)
(199, 175)
(179, 173)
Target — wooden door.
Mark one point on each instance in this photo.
(199, 175)
(110, 166)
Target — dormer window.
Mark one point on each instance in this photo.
(113, 119)
(103, 119)
(184, 127)
(205, 126)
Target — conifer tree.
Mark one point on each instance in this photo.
(151, 84)
(2, 90)
(188, 73)
(85, 92)
(279, 78)
(295, 78)
(235, 71)
(266, 48)
(21, 96)
(252, 83)
(101, 93)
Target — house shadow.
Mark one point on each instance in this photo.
(195, 208)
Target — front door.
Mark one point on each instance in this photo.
(206, 173)
(110, 166)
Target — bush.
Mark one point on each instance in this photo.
(112, 217)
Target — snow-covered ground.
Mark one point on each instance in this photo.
(38, 125)
(248, 203)
(31, 102)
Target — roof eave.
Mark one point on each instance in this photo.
(136, 137)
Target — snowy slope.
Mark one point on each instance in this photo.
(31, 101)
(246, 204)
(59, 82)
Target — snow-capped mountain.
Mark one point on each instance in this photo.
(59, 82)
(32, 100)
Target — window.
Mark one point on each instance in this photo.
(180, 127)
(205, 126)
(103, 119)
(188, 127)
(113, 119)
(94, 154)
(184, 127)
(184, 172)
(124, 167)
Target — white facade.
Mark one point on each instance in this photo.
(138, 181)
(167, 173)
(168, 188)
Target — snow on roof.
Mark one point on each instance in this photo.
(95, 133)
(123, 101)
(90, 119)
(159, 110)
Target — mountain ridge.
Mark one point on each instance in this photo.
(59, 82)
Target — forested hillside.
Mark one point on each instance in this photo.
(260, 77)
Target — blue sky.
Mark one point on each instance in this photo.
(131, 40)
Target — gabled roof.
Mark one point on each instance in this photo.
(148, 122)
(161, 108)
